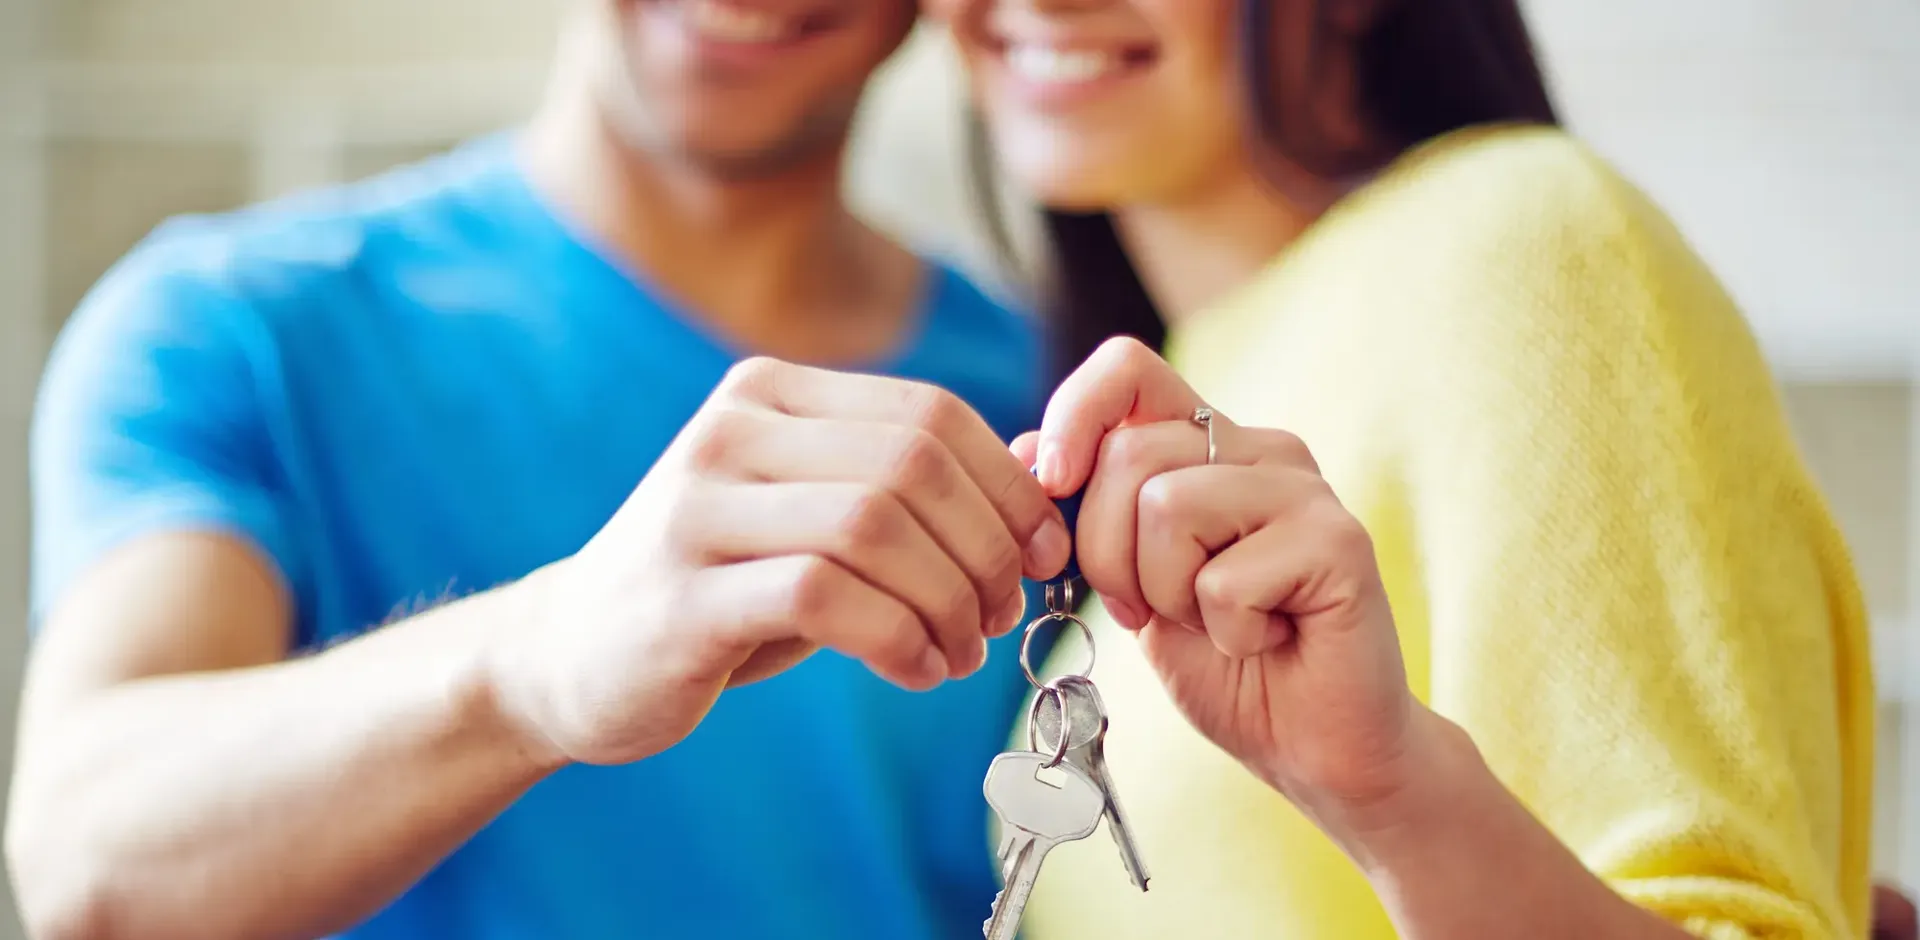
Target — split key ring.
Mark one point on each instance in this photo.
(1060, 600)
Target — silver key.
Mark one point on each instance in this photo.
(1086, 749)
(1036, 814)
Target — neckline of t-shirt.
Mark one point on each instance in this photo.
(504, 181)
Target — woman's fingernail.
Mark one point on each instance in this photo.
(1052, 472)
(1049, 547)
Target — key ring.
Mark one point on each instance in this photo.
(1056, 689)
(1026, 646)
(1059, 596)
(1060, 601)
(1059, 749)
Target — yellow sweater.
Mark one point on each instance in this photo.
(1605, 557)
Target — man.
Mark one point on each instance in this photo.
(416, 403)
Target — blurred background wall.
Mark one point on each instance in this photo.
(1781, 133)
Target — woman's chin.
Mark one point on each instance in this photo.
(1073, 168)
(1072, 189)
(1076, 203)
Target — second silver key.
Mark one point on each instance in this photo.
(1036, 813)
(1086, 749)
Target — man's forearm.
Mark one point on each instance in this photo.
(288, 800)
(1461, 859)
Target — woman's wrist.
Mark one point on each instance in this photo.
(1451, 852)
(1439, 780)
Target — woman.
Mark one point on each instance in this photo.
(1623, 688)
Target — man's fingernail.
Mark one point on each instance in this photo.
(976, 659)
(933, 665)
(1010, 615)
(1049, 547)
(1051, 468)
(1126, 614)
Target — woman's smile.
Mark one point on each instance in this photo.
(1047, 74)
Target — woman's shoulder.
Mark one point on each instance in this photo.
(1512, 188)
(1510, 271)
(1532, 236)
(1512, 165)
(1512, 262)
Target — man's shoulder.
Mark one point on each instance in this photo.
(980, 311)
(288, 251)
(984, 344)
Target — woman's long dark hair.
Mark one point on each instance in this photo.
(1426, 67)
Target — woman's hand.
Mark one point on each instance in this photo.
(1256, 593)
(1260, 605)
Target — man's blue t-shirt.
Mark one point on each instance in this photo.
(426, 384)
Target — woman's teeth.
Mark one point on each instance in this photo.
(1045, 64)
(727, 23)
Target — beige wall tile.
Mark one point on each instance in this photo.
(1855, 438)
(1895, 797)
(364, 160)
(332, 33)
(103, 197)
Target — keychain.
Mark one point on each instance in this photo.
(1035, 813)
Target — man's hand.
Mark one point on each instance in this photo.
(799, 509)
(1894, 914)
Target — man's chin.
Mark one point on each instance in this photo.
(744, 156)
(748, 163)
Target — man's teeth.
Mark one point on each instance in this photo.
(728, 23)
(1045, 64)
